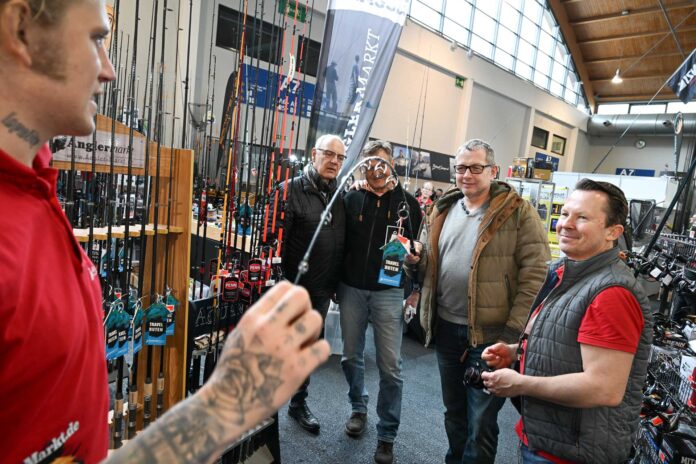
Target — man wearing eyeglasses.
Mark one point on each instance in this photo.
(482, 258)
(307, 196)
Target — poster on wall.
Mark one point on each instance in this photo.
(440, 167)
(402, 159)
(418, 163)
(259, 85)
(543, 161)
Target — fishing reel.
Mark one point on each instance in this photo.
(404, 211)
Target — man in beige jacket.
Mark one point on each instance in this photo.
(482, 258)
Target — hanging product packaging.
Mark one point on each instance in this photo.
(391, 272)
(111, 333)
(172, 305)
(156, 320)
(255, 269)
(137, 330)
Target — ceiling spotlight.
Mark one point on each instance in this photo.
(617, 78)
(625, 12)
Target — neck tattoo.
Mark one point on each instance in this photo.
(14, 126)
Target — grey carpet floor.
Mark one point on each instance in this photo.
(421, 438)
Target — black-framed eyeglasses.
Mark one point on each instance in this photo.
(474, 168)
(332, 154)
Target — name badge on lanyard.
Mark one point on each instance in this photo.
(393, 252)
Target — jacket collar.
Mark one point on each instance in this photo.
(311, 176)
(575, 269)
(454, 194)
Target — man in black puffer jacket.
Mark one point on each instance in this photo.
(307, 196)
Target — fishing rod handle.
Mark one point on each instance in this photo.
(147, 404)
(132, 413)
(160, 396)
(118, 423)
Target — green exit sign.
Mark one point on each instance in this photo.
(287, 7)
(459, 81)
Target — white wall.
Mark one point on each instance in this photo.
(498, 120)
(403, 111)
(658, 154)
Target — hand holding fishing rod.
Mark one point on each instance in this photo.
(255, 375)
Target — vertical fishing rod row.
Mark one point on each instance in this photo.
(127, 189)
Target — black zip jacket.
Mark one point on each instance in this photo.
(303, 207)
(367, 218)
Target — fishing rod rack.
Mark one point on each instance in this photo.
(178, 244)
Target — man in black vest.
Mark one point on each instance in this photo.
(306, 197)
(585, 353)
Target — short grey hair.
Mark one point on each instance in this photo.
(325, 139)
(373, 146)
(478, 144)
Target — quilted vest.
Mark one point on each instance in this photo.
(588, 435)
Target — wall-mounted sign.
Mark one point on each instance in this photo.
(288, 8)
(635, 172)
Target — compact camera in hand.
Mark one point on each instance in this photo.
(472, 376)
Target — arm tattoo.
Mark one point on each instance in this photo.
(198, 429)
(16, 127)
(187, 433)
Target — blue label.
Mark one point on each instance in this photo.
(172, 306)
(111, 336)
(137, 331)
(635, 172)
(156, 320)
(391, 270)
(123, 326)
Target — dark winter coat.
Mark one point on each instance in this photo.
(367, 218)
(303, 208)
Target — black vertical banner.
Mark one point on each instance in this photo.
(360, 39)
(683, 81)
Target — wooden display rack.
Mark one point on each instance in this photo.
(177, 236)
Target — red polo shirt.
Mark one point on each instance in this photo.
(53, 382)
